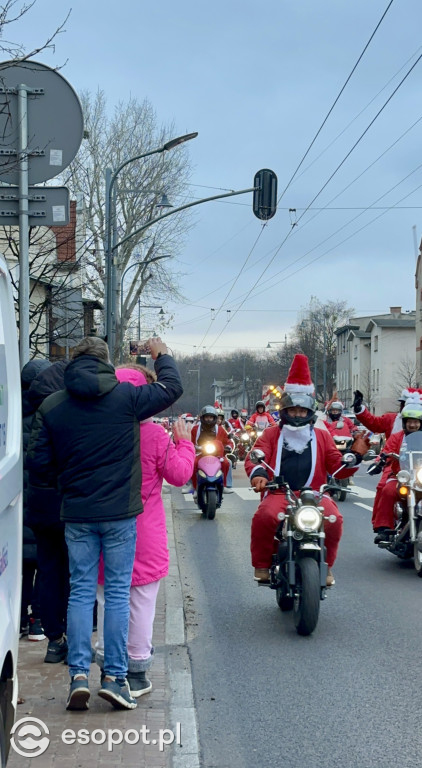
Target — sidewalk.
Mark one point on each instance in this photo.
(44, 688)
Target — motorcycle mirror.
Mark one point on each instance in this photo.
(349, 458)
(256, 456)
(331, 518)
(370, 455)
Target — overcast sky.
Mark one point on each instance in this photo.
(256, 80)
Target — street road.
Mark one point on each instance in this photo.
(348, 696)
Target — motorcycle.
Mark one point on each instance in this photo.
(406, 537)
(243, 441)
(299, 571)
(343, 444)
(210, 480)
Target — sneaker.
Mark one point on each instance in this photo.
(138, 684)
(78, 693)
(36, 631)
(24, 631)
(56, 651)
(117, 692)
(228, 490)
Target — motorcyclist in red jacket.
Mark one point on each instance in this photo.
(261, 418)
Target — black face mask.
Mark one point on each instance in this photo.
(334, 416)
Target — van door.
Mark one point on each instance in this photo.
(10, 509)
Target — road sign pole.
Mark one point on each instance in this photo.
(23, 224)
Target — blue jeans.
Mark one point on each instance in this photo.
(116, 540)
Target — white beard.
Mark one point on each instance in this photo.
(296, 439)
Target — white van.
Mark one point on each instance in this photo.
(10, 510)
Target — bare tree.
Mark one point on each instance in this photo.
(314, 336)
(367, 388)
(133, 130)
(405, 375)
(10, 12)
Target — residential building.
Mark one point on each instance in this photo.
(59, 314)
(376, 355)
(418, 286)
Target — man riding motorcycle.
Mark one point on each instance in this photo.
(303, 456)
(209, 431)
(388, 423)
(411, 416)
(261, 418)
(337, 424)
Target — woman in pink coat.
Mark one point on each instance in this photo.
(161, 459)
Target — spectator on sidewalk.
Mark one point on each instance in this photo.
(87, 436)
(31, 625)
(44, 519)
(161, 459)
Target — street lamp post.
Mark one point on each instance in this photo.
(136, 264)
(198, 372)
(110, 214)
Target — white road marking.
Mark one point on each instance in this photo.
(365, 506)
(364, 493)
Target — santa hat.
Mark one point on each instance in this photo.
(410, 393)
(299, 376)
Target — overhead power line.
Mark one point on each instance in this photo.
(336, 99)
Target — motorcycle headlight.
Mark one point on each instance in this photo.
(403, 476)
(245, 437)
(259, 433)
(209, 448)
(419, 476)
(308, 519)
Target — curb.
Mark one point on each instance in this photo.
(182, 706)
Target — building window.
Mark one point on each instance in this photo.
(378, 379)
(375, 343)
(355, 351)
(373, 378)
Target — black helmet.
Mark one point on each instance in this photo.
(260, 403)
(208, 410)
(234, 413)
(291, 399)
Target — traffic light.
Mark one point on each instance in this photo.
(265, 194)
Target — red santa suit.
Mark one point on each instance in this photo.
(386, 496)
(325, 459)
(218, 435)
(344, 427)
(261, 420)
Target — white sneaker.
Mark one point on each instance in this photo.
(228, 490)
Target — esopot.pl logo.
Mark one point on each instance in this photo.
(30, 737)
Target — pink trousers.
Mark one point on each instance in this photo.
(142, 613)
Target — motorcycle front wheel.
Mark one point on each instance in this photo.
(284, 602)
(307, 600)
(210, 504)
(417, 553)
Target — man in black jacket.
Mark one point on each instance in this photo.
(87, 438)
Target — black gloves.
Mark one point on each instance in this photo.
(374, 469)
(357, 402)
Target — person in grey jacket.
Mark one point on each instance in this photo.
(86, 439)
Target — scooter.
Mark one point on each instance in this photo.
(210, 480)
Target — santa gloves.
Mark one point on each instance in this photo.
(358, 401)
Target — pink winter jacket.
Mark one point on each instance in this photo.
(161, 459)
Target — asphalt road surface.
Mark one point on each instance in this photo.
(348, 696)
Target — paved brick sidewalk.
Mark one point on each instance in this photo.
(44, 688)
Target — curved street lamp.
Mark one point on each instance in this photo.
(110, 178)
(137, 264)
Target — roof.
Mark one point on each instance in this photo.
(358, 335)
(343, 328)
(394, 322)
